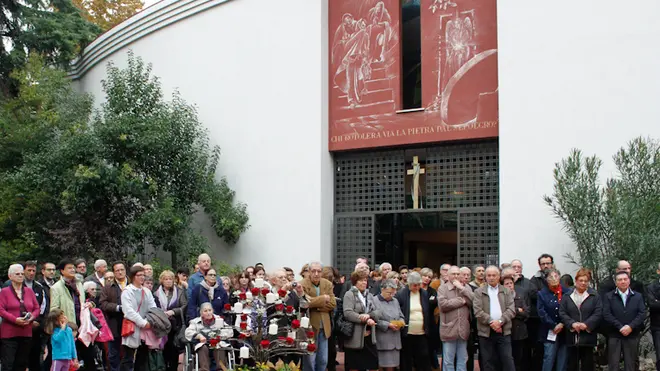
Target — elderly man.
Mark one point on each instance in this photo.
(384, 269)
(494, 309)
(479, 277)
(466, 274)
(609, 284)
(321, 302)
(455, 301)
(416, 310)
(204, 263)
(148, 270)
(98, 277)
(444, 272)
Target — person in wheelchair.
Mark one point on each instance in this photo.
(200, 332)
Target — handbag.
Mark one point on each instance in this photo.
(128, 326)
(342, 326)
(179, 340)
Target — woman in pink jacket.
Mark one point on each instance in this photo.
(18, 309)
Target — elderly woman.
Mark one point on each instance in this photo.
(360, 308)
(581, 312)
(18, 309)
(388, 326)
(226, 284)
(207, 291)
(434, 337)
(519, 333)
(201, 330)
(173, 301)
(136, 300)
(91, 289)
(416, 309)
(396, 277)
(550, 331)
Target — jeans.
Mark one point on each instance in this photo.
(553, 351)
(454, 349)
(114, 353)
(318, 360)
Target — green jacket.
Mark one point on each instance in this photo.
(60, 298)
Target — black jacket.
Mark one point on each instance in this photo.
(590, 313)
(653, 301)
(110, 304)
(616, 315)
(518, 325)
(403, 296)
(536, 284)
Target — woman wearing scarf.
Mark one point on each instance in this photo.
(359, 308)
(18, 309)
(581, 313)
(550, 332)
(173, 301)
(207, 291)
(200, 331)
(388, 326)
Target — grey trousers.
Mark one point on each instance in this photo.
(630, 347)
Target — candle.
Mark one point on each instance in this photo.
(248, 295)
(259, 283)
(270, 298)
(292, 335)
(304, 322)
(245, 352)
(238, 307)
(272, 329)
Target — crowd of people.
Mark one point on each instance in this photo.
(383, 319)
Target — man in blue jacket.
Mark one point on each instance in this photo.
(624, 313)
(204, 262)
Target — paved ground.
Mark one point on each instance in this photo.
(340, 359)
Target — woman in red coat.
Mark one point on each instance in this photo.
(18, 309)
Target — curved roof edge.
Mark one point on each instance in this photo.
(147, 21)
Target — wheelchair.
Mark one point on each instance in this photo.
(191, 359)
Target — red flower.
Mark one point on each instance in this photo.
(255, 291)
(227, 306)
(311, 347)
(295, 324)
(310, 334)
(281, 293)
(290, 341)
(265, 343)
(213, 342)
(289, 309)
(243, 317)
(242, 296)
(242, 336)
(243, 325)
(265, 291)
(279, 307)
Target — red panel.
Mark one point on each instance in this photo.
(459, 73)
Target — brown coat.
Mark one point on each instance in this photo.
(454, 307)
(319, 310)
(481, 303)
(109, 302)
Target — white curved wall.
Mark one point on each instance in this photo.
(582, 75)
(255, 71)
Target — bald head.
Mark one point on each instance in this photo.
(204, 262)
(362, 267)
(493, 275)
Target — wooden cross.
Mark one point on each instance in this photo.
(415, 171)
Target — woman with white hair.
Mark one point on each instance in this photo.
(18, 309)
(201, 330)
(388, 326)
(416, 309)
(91, 292)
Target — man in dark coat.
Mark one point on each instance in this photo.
(624, 313)
(653, 301)
(536, 284)
(111, 306)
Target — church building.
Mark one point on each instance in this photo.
(416, 132)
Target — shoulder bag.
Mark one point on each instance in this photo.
(128, 326)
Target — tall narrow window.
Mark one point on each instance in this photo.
(411, 54)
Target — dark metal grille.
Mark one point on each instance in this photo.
(478, 237)
(462, 176)
(370, 182)
(354, 238)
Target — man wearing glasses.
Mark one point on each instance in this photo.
(47, 275)
(537, 283)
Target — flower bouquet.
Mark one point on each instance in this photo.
(262, 328)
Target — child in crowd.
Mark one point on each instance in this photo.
(62, 341)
